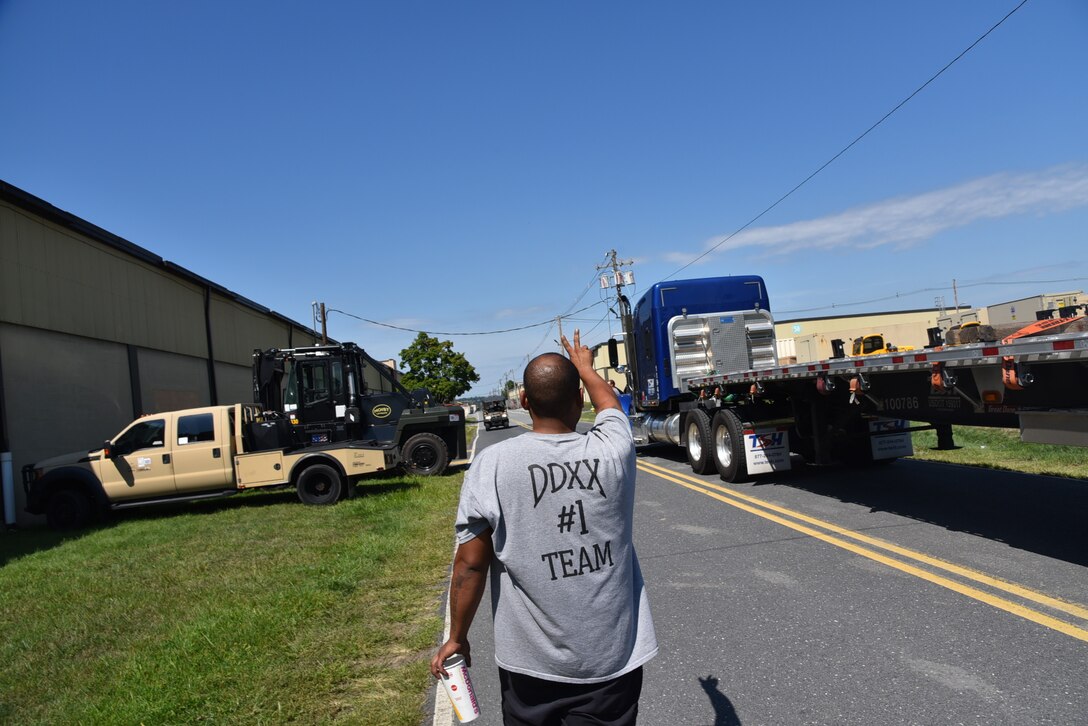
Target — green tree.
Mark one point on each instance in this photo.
(433, 364)
(511, 385)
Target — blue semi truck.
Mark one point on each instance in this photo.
(704, 375)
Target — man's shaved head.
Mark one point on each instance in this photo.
(551, 385)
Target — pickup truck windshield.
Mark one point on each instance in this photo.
(144, 435)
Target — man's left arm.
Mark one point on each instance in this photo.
(470, 566)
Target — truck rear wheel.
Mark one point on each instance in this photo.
(68, 508)
(698, 446)
(727, 437)
(320, 484)
(425, 454)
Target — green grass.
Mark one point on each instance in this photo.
(1002, 449)
(253, 610)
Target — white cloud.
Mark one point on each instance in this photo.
(904, 221)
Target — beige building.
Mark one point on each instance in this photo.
(810, 339)
(1025, 310)
(95, 330)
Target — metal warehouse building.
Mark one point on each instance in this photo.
(95, 331)
(810, 339)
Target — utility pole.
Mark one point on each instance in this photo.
(619, 279)
(324, 330)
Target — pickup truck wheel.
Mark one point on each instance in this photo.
(698, 447)
(425, 455)
(68, 509)
(727, 437)
(320, 484)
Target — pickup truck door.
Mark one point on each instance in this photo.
(202, 459)
(140, 464)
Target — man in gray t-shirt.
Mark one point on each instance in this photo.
(550, 514)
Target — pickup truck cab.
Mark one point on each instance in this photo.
(193, 454)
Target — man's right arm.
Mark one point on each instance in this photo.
(470, 566)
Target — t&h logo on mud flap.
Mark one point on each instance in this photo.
(766, 440)
(887, 426)
(768, 450)
(890, 438)
(381, 411)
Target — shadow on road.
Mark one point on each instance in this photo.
(1041, 514)
(724, 713)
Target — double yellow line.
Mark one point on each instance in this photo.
(840, 537)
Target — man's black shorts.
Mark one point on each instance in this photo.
(528, 701)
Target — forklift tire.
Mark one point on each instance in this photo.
(320, 484)
(68, 508)
(698, 442)
(424, 454)
(727, 442)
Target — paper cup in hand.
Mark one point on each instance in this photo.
(459, 689)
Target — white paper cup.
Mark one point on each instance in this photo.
(459, 689)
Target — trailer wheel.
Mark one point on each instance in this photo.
(727, 437)
(320, 484)
(698, 447)
(425, 454)
(68, 508)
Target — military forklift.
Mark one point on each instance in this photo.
(324, 394)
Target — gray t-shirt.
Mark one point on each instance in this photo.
(566, 589)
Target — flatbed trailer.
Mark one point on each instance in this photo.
(693, 389)
(1007, 385)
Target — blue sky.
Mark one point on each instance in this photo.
(464, 166)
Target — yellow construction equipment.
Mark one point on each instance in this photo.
(876, 344)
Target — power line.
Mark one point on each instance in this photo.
(589, 285)
(846, 148)
(476, 332)
(596, 325)
(565, 314)
(547, 334)
(569, 313)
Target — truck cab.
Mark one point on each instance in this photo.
(495, 415)
(196, 453)
(163, 455)
(338, 393)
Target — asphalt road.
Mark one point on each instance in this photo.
(914, 593)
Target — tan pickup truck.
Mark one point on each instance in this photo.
(196, 453)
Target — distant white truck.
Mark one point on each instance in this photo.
(196, 453)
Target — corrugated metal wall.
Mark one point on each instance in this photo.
(94, 331)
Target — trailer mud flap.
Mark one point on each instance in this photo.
(890, 439)
(767, 450)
